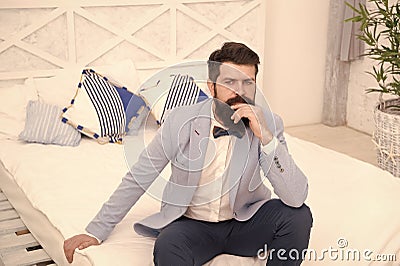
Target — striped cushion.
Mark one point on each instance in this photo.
(103, 110)
(183, 91)
(43, 125)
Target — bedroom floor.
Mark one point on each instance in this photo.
(342, 139)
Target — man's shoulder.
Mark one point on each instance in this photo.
(185, 112)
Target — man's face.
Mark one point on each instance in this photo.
(236, 83)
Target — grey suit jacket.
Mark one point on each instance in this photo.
(179, 141)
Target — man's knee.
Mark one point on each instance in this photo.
(298, 219)
(300, 216)
(303, 217)
(169, 250)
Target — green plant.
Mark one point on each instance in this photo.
(380, 30)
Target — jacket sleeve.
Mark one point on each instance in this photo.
(289, 182)
(151, 162)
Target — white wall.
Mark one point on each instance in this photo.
(40, 41)
(294, 56)
(294, 61)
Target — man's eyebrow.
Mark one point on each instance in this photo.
(229, 79)
(248, 79)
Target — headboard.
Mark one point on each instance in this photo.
(42, 38)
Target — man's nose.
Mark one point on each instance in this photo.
(239, 89)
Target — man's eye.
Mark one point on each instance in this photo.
(229, 82)
(249, 82)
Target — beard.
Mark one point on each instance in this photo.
(224, 112)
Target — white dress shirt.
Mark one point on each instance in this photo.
(210, 201)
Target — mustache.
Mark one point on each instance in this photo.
(239, 99)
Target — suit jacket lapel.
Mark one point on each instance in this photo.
(200, 130)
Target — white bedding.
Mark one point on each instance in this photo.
(348, 198)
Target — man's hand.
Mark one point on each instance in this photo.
(79, 241)
(256, 118)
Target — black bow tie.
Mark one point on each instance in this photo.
(219, 132)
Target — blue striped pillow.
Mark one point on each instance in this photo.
(103, 110)
(43, 125)
(182, 90)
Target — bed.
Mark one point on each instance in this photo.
(58, 189)
(350, 200)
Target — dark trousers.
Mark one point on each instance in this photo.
(275, 226)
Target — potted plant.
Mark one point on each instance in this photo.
(380, 31)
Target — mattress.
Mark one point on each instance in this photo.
(352, 202)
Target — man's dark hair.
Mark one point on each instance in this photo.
(234, 52)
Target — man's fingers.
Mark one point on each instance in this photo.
(239, 105)
(69, 247)
(236, 117)
(86, 244)
(242, 112)
(68, 251)
(78, 241)
(257, 121)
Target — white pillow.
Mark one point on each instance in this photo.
(60, 90)
(13, 102)
(123, 73)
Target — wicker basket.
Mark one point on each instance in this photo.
(387, 136)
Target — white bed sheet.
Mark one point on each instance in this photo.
(69, 185)
(349, 199)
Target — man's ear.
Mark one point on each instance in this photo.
(211, 87)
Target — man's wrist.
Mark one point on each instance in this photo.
(270, 146)
(266, 138)
(91, 235)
